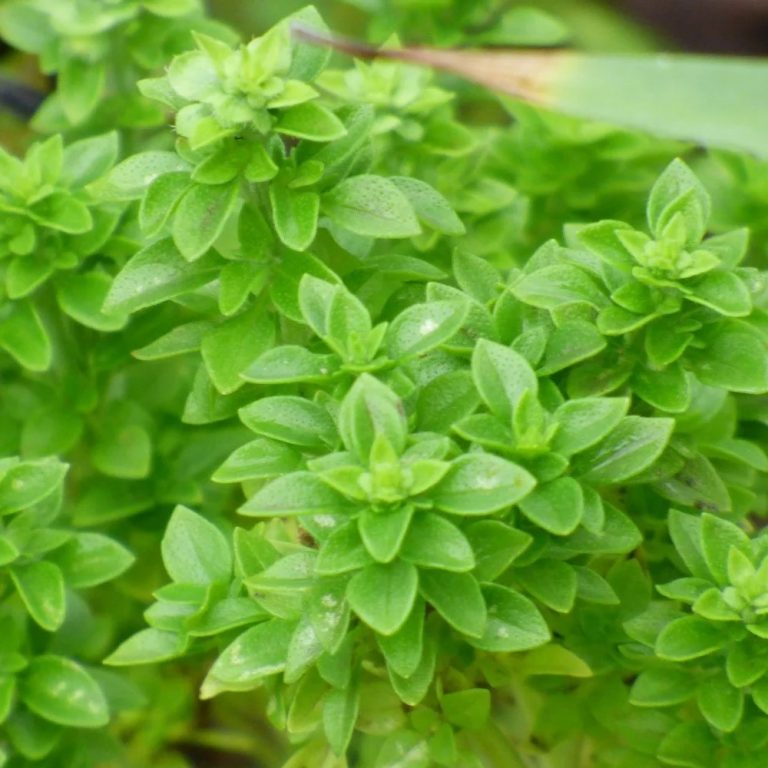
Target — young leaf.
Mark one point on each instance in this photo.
(370, 409)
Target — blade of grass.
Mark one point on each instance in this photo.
(712, 100)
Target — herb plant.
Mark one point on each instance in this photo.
(348, 420)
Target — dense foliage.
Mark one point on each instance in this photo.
(403, 429)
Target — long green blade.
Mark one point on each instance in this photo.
(712, 100)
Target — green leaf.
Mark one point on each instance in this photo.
(720, 703)
(690, 637)
(158, 273)
(495, 545)
(717, 538)
(298, 493)
(28, 482)
(259, 458)
(689, 744)
(200, 217)
(554, 660)
(744, 664)
(228, 348)
(194, 550)
(290, 419)
(685, 532)
(129, 179)
(347, 325)
(370, 409)
(290, 364)
(430, 207)
(433, 542)
(501, 376)
(92, 558)
(678, 190)
(476, 276)
(24, 337)
(423, 327)
(667, 390)
(733, 358)
(412, 689)
(468, 709)
(552, 582)
(556, 506)
(310, 121)
(404, 749)
(582, 422)
(328, 612)
(40, 585)
(480, 484)
(89, 159)
(340, 710)
(62, 692)
(371, 206)
(160, 200)
(80, 86)
(570, 343)
(514, 622)
(178, 341)
(446, 400)
(255, 654)
(295, 213)
(403, 650)
(383, 595)
(722, 291)
(632, 446)
(342, 551)
(148, 646)
(383, 531)
(81, 296)
(457, 598)
(662, 687)
(559, 284)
